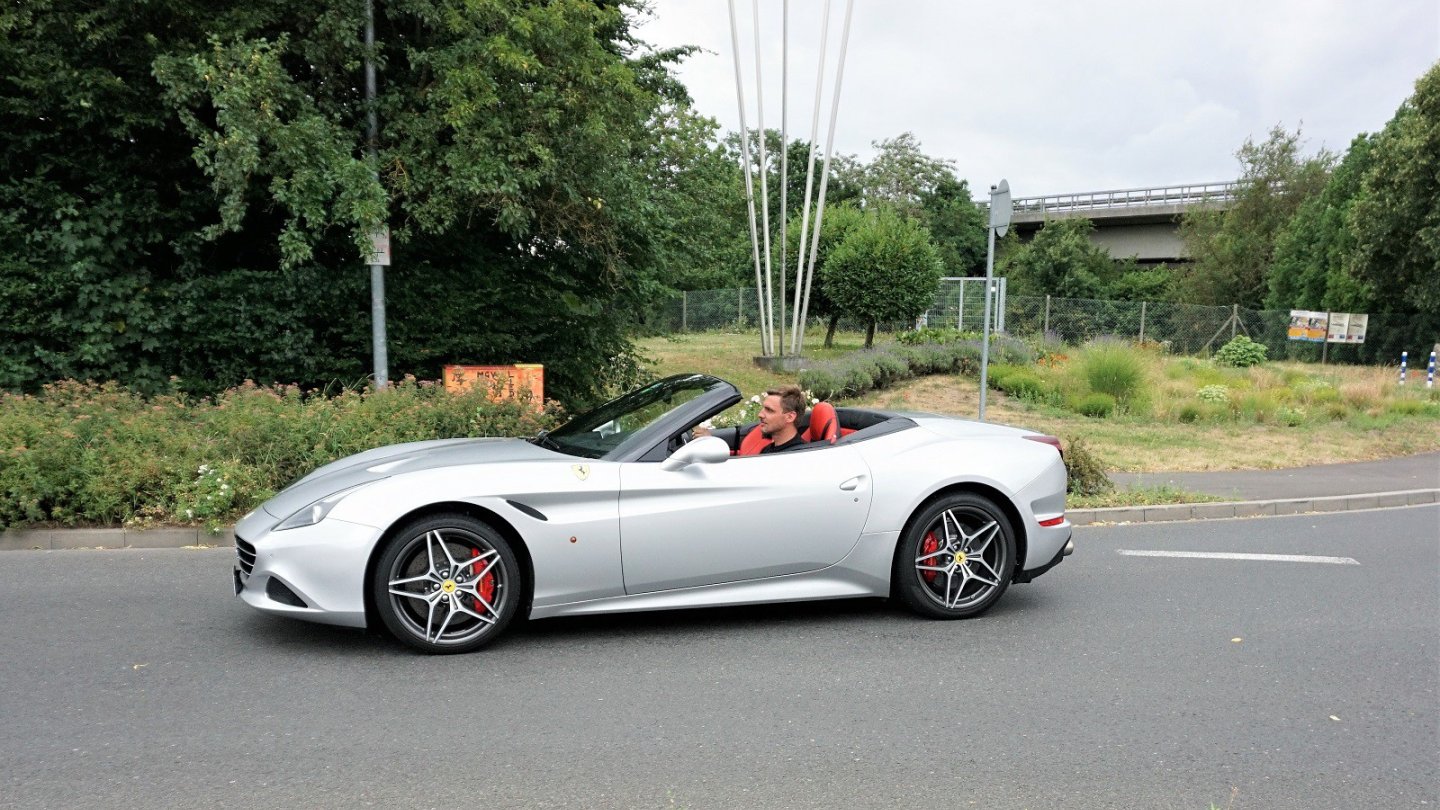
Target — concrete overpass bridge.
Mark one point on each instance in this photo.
(1139, 222)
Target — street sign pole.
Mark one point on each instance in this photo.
(378, 258)
(1000, 210)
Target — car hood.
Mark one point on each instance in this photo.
(383, 462)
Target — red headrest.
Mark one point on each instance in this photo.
(824, 424)
(753, 443)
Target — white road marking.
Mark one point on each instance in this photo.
(1209, 555)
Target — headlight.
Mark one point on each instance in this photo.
(316, 512)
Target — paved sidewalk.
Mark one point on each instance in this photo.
(1405, 481)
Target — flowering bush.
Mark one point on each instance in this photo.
(1217, 394)
(98, 454)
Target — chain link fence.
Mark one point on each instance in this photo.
(1180, 328)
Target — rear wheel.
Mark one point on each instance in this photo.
(956, 558)
(447, 584)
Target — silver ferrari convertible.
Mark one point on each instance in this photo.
(624, 508)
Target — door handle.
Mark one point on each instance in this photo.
(851, 485)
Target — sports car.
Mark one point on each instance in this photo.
(625, 508)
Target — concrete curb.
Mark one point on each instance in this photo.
(1239, 509)
(49, 539)
(30, 539)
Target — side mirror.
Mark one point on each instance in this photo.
(704, 450)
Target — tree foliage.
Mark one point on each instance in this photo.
(1397, 213)
(190, 188)
(1060, 260)
(1231, 251)
(885, 269)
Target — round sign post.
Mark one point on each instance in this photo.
(1000, 211)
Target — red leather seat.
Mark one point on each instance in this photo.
(824, 424)
(753, 443)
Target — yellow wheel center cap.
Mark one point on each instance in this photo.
(448, 586)
(960, 558)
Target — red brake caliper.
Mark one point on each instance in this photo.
(486, 587)
(930, 546)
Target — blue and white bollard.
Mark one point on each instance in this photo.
(1404, 361)
(1430, 372)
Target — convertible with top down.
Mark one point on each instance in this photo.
(624, 508)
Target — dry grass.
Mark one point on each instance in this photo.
(1351, 424)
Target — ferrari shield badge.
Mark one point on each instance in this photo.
(582, 471)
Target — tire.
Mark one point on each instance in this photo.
(432, 599)
(956, 558)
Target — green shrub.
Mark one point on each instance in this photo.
(826, 383)
(1290, 417)
(1241, 352)
(1217, 394)
(81, 453)
(1096, 404)
(931, 334)
(1085, 474)
(1114, 367)
(1188, 412)
(1408, 407)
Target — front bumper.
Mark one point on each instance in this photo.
(315, 573)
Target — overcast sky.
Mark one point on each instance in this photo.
(1067, 96)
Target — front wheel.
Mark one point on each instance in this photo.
(447, 584)
(956, 558)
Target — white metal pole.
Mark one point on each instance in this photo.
(749, 182)
(825, 171)
(784, 156)
(985, 328)
(769, 296)
(796, 325)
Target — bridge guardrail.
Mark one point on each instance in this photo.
(1191, 194)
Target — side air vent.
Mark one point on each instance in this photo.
(278, 591)
(529, 510)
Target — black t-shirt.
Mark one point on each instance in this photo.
(795, 441)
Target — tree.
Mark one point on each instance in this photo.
(957, 227)
(835, 225)
(1232, 251)
(901, 176)
(189, 188)
(1397, 215)
(1060, 260)
(885, 269)
(1316, 250)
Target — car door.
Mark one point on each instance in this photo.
(744, 518)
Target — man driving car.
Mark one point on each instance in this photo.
(779, 410)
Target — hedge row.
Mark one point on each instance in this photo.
(864, 371)
(87, 454)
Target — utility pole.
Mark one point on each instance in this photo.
(380, 239)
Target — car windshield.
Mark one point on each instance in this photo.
(598, 432)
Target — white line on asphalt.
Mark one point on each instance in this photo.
(1209, 555)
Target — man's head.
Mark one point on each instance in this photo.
(778, 412)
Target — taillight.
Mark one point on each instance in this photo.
(1050, 440)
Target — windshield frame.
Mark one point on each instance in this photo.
(715, 396)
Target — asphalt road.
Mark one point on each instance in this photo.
(133, 679)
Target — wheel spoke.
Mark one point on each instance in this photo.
(922, 559)
(449, 614)
(988, 531)
(460, 608)
(423, 597)
(994, 575)
(946, 518)
(936, 568)
(426, 577)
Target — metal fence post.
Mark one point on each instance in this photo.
(1234, 319)
(1142, 321)
(684, 311)
(1046, 329)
